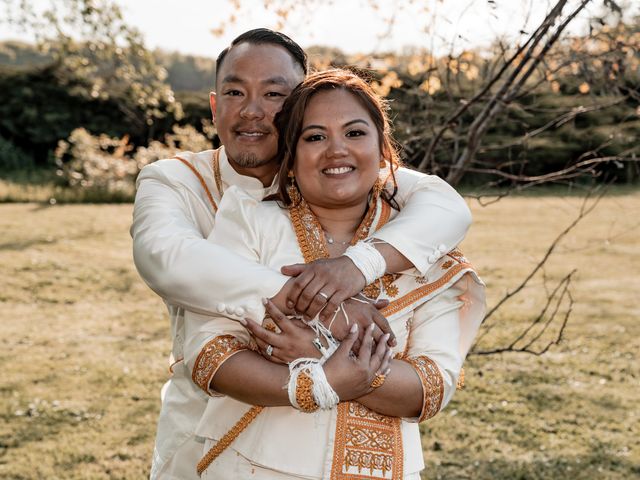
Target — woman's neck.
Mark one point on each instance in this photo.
(340, 223)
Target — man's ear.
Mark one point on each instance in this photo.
(212, 104)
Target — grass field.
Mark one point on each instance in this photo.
(85, 343)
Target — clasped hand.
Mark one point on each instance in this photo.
(352, 367)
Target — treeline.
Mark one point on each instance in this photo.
(562, 119)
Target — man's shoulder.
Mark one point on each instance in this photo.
(184, 167)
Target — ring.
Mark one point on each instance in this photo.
(269, 352)
(378, 380)
(324, 295)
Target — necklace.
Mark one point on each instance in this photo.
(331, 240)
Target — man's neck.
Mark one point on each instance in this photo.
(264, 173)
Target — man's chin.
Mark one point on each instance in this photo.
(250, 160)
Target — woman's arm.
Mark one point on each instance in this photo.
(423, 381)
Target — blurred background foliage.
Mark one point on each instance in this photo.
(64, 96)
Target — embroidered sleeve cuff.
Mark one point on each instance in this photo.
(211, 357)
(432, 385)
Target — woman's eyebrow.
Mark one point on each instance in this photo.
(349, 123)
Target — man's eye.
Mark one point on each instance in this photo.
(233, 93)
(275, 94)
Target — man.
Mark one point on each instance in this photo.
(175, 212)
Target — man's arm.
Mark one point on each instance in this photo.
(180, 265)
(433, 219)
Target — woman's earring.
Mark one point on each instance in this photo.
(383, 163)
(292, 189)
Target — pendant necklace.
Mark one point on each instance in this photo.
(331, 241)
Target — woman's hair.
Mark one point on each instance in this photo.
(289, 122)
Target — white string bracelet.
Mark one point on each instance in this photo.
(368, 260)
(324, 395)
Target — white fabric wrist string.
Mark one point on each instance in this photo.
(368, 260)
(324, 395)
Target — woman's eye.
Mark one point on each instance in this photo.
(314, 138)
(356, 133)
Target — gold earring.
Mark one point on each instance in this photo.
(292, 189)
(383, 163)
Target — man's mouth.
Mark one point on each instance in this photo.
(337, 170)
(253, 134)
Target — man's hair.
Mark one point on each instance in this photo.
(264, 36)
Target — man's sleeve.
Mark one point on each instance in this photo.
(433, 219)
(180, 265)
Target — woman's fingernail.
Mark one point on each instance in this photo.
(354, 328)
(265, 301)
(290, 304)
(387, 371)
(243, 321)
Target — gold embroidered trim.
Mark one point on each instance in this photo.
(373, 290)
(217, 175)
(202, 182)
(432, 385)
(311, 238)
(368, 442)
(304, 393)
(418, 293)
(228, 438)
(212, 355)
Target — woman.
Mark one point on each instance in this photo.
(334, 414)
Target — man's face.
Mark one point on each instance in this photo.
(252, 84)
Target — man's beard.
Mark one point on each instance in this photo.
(251, 160)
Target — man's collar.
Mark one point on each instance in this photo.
(251, 185)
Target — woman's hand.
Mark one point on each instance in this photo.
(365, 314)
(351, 376)
(294, 340)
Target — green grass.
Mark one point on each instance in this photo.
(85, 344)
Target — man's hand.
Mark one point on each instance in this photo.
(364, 314)
(322, 285)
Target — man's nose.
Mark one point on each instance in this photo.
(252, 109)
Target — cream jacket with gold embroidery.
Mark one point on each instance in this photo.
(173, 216)
(434, 316)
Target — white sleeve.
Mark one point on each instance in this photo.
(180, 265)
(433, 349)
(433, 219)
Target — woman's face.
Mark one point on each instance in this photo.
(338, 154)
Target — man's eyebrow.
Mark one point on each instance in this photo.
(349, 123)
(278, 80)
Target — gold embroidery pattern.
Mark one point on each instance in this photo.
(228, 438)
(447, 264)
(432, 385)
(368, 442)
(311, 238)
(212, 355)
(201, 180)
(304, 393)
(373, 289)
(426, 289)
